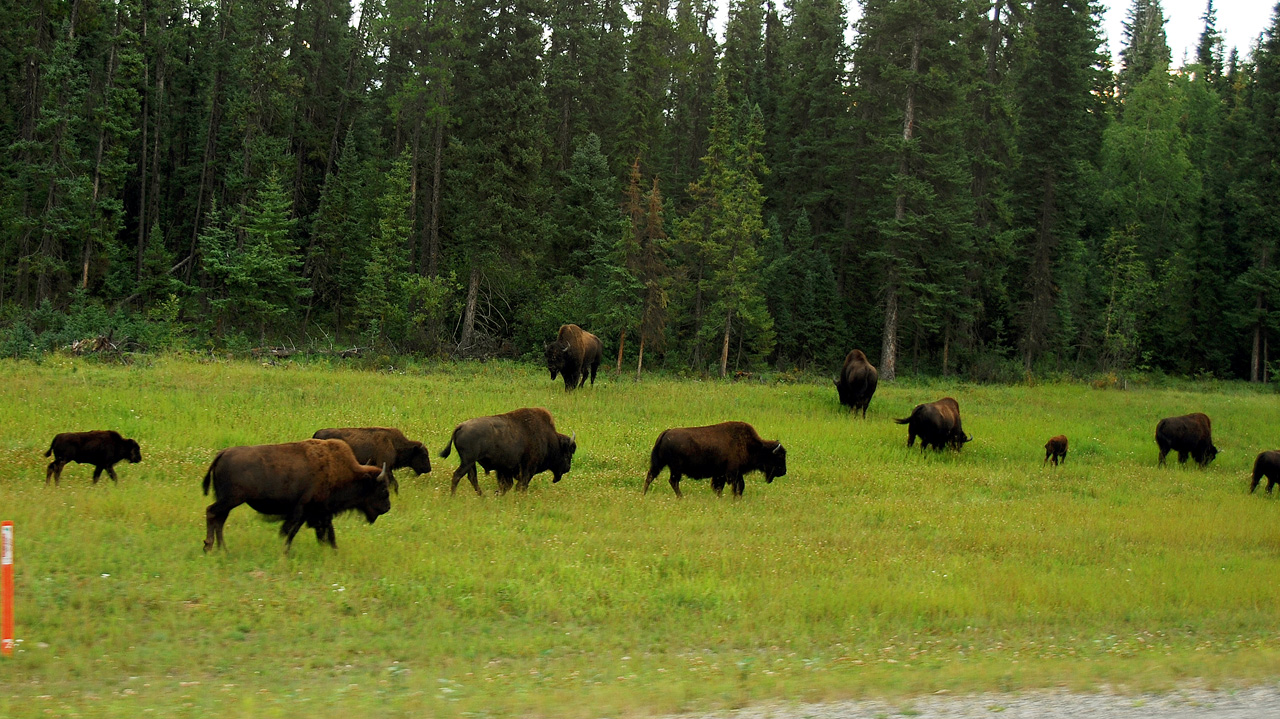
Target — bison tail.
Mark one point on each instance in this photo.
(208, 476)
(445, 452)
(903, 420)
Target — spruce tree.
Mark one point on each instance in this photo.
(1146, 46)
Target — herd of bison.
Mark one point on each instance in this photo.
(350, 469)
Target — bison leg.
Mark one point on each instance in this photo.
(911, 440)
(1182, 457)
(1271, 483)
(97, 472)
(524, 480)
(55, 469)
(739, 485)
(1164, 451)
(214, 517)
(292, 524)
(675, 483)
(468, 471)
(717, 485)
(595, 366)
(111, 472)
(648, 480)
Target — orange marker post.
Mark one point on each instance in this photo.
(6, 588)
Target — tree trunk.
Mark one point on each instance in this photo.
(946, 351)
(724, 348)
(87, 254)
(469, 314)
(1255, 361)
(640, 359)
(142, 156)
(622, 342)
(210, 145)
(431, 228)
(889, 342)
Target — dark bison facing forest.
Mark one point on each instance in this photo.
(574, 353)
(937, 424)
(857, 382)
(1189, 434)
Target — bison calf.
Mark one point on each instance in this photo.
(1189, 434)
(1266, 465)
(1056, 449)
(516, 445)
(101, 448)
(723, 452)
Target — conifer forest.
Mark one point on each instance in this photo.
(957, 187)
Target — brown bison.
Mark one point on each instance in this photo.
(857, 382)
(382, 445)
(1055, 448)
(516, 445)
(101, 448)
(724, 452)
(302, 482)
(937, 424)
(574, 354)
(1266, 465)
(1189, 434)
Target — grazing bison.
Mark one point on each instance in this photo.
(382, 445)
(303, 482)
(515, 445)
(101, 448)
(936, 424)
(574, 354)
(1266, 465)
(1188, 434)
(1055, 448)
(724, 452)
(857, 382)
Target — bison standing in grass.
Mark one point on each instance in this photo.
(1189, 434)
(857, 382)
(1266, 465)
(937, 424)
(101, 448)
(575, 354)
(1055, 449)
(516, 445)
(382, 445)
(722, 452)
(303, 482)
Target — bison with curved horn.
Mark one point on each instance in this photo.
(303, 482)
(382, 445)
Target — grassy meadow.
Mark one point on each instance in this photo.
(868, 570)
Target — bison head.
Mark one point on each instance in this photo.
(1210, 453)
(135, 452)
(959, 439)
(561, 464)
(376, 494)
(776, 464)
(419, 459)
(555, 352)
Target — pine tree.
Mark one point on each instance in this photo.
(724, 230)
(911, 100)
(1058, 79)
(381, 301)
(1146, 47)
(265, 279)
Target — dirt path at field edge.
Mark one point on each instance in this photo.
(1261, 702)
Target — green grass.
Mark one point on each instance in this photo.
(869, 570)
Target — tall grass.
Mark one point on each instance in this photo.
(868, 569)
